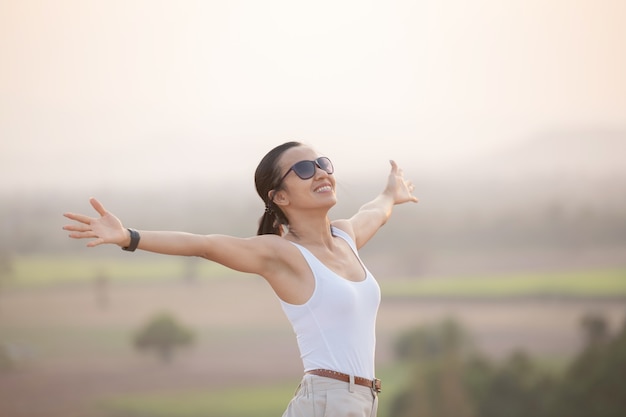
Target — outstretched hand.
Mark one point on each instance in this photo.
(400, 188)
(104, 229)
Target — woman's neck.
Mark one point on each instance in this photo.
(315, 231)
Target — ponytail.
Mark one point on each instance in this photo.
(270, 223)
(267, 225)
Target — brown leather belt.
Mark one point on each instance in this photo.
(373, 384)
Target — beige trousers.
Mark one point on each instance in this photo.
(318, 396)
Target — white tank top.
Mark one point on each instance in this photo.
(335, 328)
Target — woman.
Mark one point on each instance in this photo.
(311, 263)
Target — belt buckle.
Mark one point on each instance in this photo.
(376, 385)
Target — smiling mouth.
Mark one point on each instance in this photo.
(323, 188)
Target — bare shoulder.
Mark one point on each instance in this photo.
(277, 250)
(345, 226)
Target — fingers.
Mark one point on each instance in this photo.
(97, 206)
(397, 171)
(83, 228)
(84, 232)
(78, 217)
(80, 230)
(77, 227)
(399, 174)
(86, 219)
(83, 235)
(410, 188)
(394, 167)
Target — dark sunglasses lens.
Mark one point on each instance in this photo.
(304, 169)
(325, 164)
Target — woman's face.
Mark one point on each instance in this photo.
(319, 190)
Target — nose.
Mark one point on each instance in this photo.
(319, 171)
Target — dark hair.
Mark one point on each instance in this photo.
(266, 178)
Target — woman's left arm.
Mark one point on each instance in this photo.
(372, 215)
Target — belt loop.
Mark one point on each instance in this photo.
(309, 387)
(351, 383)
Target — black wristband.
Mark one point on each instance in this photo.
(134, 240)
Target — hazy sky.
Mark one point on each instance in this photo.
(104, 92)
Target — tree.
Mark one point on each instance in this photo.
(447, 381)
(593, 383)
(162, 334)
(436, 388)
(515, 388)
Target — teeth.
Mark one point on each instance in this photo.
(323, 189)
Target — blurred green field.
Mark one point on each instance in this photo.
(591, 283)
(41, 271)
(252, 401)
(234, 402)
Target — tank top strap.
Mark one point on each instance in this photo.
(340, 233)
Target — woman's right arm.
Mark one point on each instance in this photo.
(253, 255)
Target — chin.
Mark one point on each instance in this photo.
(332, 202)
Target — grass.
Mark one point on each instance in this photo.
(269, 401)
(253, 401)
(592, 283)
(41, 271)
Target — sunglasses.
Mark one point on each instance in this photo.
(306, 169)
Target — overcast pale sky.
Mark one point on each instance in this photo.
(111, 92)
